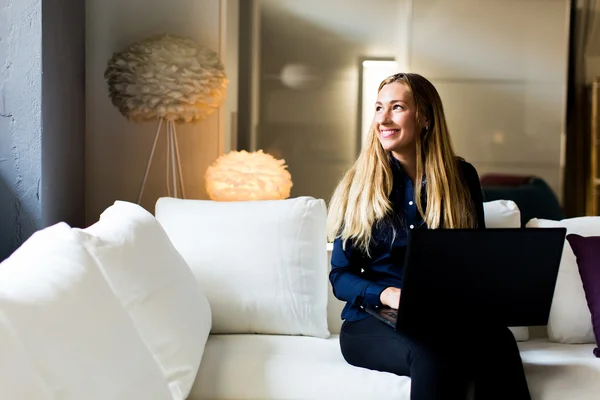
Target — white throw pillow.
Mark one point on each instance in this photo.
(505, 214)
(502, 214)
(19, 380)
(78, 336)
(261, 263)
(570, 318)
(157, 288)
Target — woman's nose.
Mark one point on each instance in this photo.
(383, 117)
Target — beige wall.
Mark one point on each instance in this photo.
(309, 117)
(117, 150)
(500, 67)
(501, 70)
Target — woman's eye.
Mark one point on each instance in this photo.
(398, 107)
(378, 108)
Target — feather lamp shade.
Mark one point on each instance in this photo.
(168, 77)
(243, 176)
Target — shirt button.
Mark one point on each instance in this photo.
(412, 227)
(410, 203)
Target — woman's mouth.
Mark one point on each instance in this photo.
(388, 132)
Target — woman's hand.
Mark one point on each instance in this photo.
(390, 297)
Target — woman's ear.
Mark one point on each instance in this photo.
(426, 126)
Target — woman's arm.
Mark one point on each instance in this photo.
(472, 181)
(348, 285)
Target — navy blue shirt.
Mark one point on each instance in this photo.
(358, 279)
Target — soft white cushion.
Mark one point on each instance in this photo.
(276, 367)
(75, 331)
(560, 371)
(501, 214)
(19, 380)
(288, 367)
(498, 214)
(261, 263)
(156, 287)
(570, 318)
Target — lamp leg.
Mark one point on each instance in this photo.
(139, 199)
(168, 170)
(178, 161)
(171, 129)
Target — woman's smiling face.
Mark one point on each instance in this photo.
(395, 118)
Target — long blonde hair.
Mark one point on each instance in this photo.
(362, 196)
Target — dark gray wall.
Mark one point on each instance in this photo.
(41, 117)
(63, 111)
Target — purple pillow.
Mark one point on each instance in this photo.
(587, 252)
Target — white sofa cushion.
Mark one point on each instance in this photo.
(76, 333)
(557, 371)
(570, 318)
(262, 263)
(157, 288)
(283, 367)
(19, 379)
(498, 214)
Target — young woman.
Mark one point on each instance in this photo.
(408, 177)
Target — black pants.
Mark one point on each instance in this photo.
(442, 364)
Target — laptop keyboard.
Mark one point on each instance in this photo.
(390, 313)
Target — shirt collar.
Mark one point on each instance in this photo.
(399, 173)
(396, 165)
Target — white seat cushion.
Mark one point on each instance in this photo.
(557, 371)
(156, 287)
(288, 367)
(74, 330)
(237, 367)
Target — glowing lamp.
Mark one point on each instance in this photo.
(243, 176)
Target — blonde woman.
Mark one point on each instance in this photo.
(408, 177)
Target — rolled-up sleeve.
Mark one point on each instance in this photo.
(346, 281)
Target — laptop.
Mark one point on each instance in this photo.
(498, 275)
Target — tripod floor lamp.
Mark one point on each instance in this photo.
(171, 80)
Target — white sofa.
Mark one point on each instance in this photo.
(224, 301)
